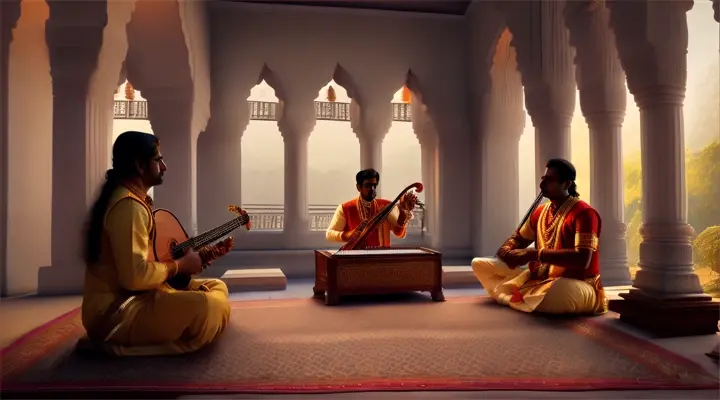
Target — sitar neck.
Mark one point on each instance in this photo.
(212, 235)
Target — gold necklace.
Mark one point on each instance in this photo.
(365, 208)
(549, 222)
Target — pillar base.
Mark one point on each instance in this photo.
(58, 281)
(664, 318)
(615, 273)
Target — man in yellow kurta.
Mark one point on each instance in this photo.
(128, 308)
(349, 215)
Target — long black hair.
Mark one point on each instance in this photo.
(131, 149)
(566, 172)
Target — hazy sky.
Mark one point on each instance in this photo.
(334, 149)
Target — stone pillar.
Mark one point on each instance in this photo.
(374, 121)
(425, 130)
(429, 161)
(9, 16)
(667, 298)
(503, 125)
(220, 162)
(170, 114)
(80, 133)
(601, 81)
(545, 60)
(296, 124)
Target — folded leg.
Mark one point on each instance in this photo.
(492, 272)
(568, 296)
(174, 322)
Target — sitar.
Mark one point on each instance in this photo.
(363, 230)
(171, 241)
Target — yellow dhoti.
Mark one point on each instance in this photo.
(129, 309)
(169, 321)
(552, 296)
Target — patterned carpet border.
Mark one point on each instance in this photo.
(26, 351)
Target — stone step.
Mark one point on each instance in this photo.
(459, 276)
(254, 280)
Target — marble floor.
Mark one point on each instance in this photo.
(22, 314)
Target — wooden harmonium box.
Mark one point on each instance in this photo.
(382, 270)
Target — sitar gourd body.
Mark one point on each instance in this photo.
(170, 240)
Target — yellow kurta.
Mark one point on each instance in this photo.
(128, 307)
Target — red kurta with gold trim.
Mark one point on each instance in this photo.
(380, 236)
(579, 228)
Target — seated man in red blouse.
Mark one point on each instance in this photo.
(350, 214)
(563, 275)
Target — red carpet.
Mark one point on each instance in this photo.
(302, 346)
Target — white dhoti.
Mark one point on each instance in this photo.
(515, 288)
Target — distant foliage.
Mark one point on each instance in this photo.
(706, 247)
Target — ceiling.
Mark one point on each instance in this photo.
(448, 7)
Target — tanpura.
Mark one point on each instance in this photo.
(356, 241)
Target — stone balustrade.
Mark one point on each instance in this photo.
(270, 217)
(268, 111)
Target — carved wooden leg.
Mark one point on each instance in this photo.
(437, 295)
(331, 298)
(318, 292)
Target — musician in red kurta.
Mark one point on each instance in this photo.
(564, 274)
(350, 214)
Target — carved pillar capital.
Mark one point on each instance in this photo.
(654, 58)
(373, 119)
(74, 36)
(599, 74)
(545, 60)
(165, 102)
(296, 119)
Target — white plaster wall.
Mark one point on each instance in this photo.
(303, 46)
(30, 151)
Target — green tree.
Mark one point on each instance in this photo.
(703, 186)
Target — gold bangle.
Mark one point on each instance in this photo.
(540, 255)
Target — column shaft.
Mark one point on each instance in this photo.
(9, 15)
(371, 151)
(374, 123)
(666, 250)
(296, 220)
(607, 197)
(428, 159)
(170, 115)
(80, 158)
(219, 173)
